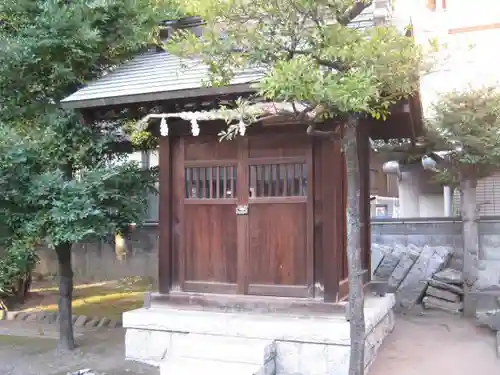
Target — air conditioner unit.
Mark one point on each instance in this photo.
(384, 207)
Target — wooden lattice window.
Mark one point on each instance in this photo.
(218, 182)
(278, 180)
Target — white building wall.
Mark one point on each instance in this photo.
(431, 205)
(468, 32)
(488, 196)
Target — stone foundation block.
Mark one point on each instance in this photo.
(498, 344)
(449, 276)
(437, 303)
(180, 342)
(442, 285)
(443, 294)
(490, 318)
(147, 346)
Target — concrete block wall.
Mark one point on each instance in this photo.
(98, 261)
(489, 255)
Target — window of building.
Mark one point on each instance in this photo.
(278, 180)
(217, 182)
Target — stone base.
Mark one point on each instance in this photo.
(251, 343)
(498, 344)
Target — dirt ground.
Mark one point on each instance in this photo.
(100, 351)
(437, 344)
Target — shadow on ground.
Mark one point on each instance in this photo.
(437, 344)
(100, 351)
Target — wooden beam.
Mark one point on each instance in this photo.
(165, 217)
(248, 303)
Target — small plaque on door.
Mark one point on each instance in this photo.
(242, 209)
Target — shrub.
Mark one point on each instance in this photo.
(16, 266)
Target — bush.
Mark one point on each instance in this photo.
(16, 267)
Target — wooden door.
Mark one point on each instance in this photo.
(280, 243)
(204, 214)
(243, 215)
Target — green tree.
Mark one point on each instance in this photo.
(467, 124)
(60, 177)
(325, 69)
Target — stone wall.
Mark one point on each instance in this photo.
(409, 236)
(421, 232)
(100, 261)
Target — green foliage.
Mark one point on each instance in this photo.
(307, 53)
(52, 47)
(39, 201)
(468, 124)
(16, 265)
(140, 139)
(61, 178)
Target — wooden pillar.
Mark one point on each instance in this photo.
(333, 214)
(165, 217)
(364, 151)
(242, 220)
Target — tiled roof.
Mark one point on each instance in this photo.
(149, 76)
(161, 76)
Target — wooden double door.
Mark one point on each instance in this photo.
(243, 215)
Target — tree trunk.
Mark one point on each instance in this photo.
(356, 298)
(66, 338)
(470, 218)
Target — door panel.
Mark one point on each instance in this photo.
(277, 244)
(207, 187)
(280, 219)
(210, 243)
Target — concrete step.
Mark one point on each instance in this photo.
(222, 348)
(192, 366)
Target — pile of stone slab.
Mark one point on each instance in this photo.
(86, 371)
(407, 269)
(445, 291)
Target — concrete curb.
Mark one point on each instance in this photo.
(79, 321)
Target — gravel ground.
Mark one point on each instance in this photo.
(101, 351)
(437, 344)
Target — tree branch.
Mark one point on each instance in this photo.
(312, 131)
(329, 64)
(353, 12)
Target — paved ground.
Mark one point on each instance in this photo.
(34, 353)
(438, 344)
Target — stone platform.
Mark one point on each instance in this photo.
(182, 341)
